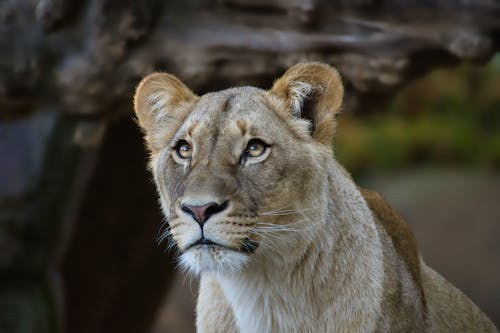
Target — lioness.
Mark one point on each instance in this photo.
(283, 239)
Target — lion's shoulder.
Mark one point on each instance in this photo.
(397, 229)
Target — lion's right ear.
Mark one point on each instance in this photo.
(312, 91)
(161, 103)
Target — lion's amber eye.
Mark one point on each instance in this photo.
(184, 149)
(255, 148)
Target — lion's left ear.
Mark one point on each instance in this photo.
(312, 91)
(161, 103)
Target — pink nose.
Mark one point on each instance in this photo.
(203, 212)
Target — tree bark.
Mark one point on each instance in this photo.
(87, 56)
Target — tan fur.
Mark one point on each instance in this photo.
(399, 232)
(313, 81)
(298, 246)
(156, 93)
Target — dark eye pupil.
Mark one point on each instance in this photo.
(255, 148)
(183, 149)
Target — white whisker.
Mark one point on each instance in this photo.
(283, 211)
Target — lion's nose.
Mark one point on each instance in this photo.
(204, 212)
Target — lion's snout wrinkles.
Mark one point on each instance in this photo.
(209, 182)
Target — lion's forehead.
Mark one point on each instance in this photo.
(227, 101)
(238, 111)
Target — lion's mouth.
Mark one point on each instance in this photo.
(247, 247)
(205, 242)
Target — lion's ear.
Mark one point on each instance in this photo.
(161, 103)
(312, 91)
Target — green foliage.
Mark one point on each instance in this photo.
(450, 117)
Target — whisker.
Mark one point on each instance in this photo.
(281, 228)
(269, 246)
(292, 226)
(280, 212)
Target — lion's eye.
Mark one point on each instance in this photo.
(184, 149)
(256, 148)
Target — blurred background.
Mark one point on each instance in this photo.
(79, 219)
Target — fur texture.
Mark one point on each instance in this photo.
(294, 245)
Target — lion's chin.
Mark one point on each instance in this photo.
(202, 258)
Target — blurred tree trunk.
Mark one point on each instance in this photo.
(80, 60)
(44, 169)
(115, 273)
(86, 56)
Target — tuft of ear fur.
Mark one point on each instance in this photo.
(313, 91)
(161, 103)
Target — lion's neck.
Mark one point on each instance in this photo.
(342, 262)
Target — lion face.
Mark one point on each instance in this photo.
(225, 171)
(238, 170)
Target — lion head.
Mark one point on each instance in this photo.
(241, 172)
